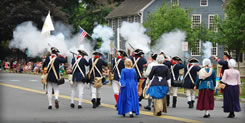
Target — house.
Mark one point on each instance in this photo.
(203, 12)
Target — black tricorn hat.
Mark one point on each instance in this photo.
(54, 50)
(98, 53)
(193, 60)
(122, 52)
(177, 58)
(139, 52)
(227, 54)
(153, 55)
(82, 52)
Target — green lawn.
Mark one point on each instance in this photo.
(243, 88)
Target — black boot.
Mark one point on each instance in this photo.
(231, 115)
(174, 101)
(72, 105)
(93, 102)
(167, 100)
(192, 103)
(98, 102)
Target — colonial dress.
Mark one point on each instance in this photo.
(158, 89)
(77, 75)
(128, 96)
(206, 82)
(231, 78)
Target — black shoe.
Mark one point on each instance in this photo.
(231, 115)
(50, 107)
(93, 102)
(116, 106)
(131, 115)
(159, 113)
(140, 105)
(174, 101)
(79, 107)
(192, 103)
(72, 105)
(147, 107)
(56, 104)
(189, 102)
(124, 115)
(206, 116)
(98, 102)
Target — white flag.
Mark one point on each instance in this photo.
(48, 24)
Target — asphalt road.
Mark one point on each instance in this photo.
(23, 100)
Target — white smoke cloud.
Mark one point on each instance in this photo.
(170, 43)
(27, 36)
(134, 33)
(207, 48)
(105, 33)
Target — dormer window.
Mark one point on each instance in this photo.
(203, 2)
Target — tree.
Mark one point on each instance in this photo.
(167, 18)
(231, 31)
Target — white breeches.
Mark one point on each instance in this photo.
(174, 90)
(74, 87)
(95, 92)
(56, 92)
(115, 86)
(190, 94)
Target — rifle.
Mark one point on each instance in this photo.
(131, 46)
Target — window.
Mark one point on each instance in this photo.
(211, 23)
(136, 19)
(114, 24)
(197, 49)
(214, 50)
(131, 19)
(119, 22)
(203, 2)
(196, 20)
(175, 2)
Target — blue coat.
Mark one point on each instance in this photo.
(167, 63)
(176, 70)
(77, 75)
(128, 97)
(208, 83)
(120, 67)
(187, 81)
(99, 65)
(140, 64)
(51, 76)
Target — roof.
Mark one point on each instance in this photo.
(128, 7)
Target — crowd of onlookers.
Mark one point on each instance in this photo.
(23, 66)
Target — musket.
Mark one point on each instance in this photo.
(131, 46)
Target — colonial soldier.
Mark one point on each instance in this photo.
(147, 72)
(138, 63)
(117, 66)
(52, 63)
(190, 75)
(95, 67)
(78, 77)
(175, 67)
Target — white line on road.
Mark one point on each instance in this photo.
(15, 80)
(33, 80)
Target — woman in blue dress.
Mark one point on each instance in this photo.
(128, 101)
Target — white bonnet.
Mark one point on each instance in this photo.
(160, 59)
(206, 62)
(232, 63)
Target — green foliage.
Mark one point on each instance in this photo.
(167, 19)
(231, 31)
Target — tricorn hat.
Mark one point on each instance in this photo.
(227, 54)
(138, 52)
(82, 52)
(98, 53)
(193, 60)
(177, 58)
(122, 52)
(54, 50)
(154, 55)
